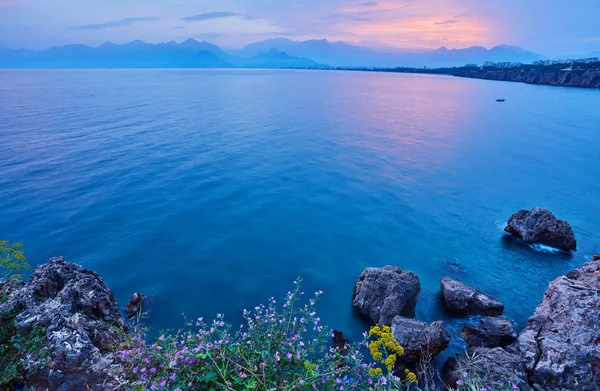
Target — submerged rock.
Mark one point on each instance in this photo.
(561, 341)
(497, 368)
(339, 341)
(419, 338)
(134, 308)
(381, 294)
(540, 226)
(81, 322)
(462, 299)
(490, 333)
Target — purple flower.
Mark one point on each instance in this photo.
(277, 358)
(459, 382)
(465, 374)
(152, 370)
(163, 382)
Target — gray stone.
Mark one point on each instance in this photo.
(82, 322)
(419, 338)
(561, 341)
(497, 369)
(540, 226)
(462, 299)
(381, 294)
(490, 333)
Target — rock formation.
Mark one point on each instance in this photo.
(134, 308)
(540, 226)
(419, 338)
(490, 333)
(81, 322)
(561, 341)
(496, 368)
(381, 294)
(462, 299)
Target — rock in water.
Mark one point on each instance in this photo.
(382, 294)
(419, 338)
(339, 341)
(134, 308)
(540, 226)
(490, 333)
(497, 368)
(461, 299)
(82, 321)
(561, 341)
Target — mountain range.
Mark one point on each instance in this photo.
(271, 53)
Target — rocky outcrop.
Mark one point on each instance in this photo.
(561, 342)
(462, 299)
(135, 305)
(381, 294)
(419, 338)
(540, 226)
(574, 78)
(490, 333)
(497, 369)
(81, 321)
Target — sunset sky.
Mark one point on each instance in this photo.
(550, 27)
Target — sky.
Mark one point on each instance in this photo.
(549, 27)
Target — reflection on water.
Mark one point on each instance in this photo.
(213, 190)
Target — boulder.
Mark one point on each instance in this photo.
(561, 341)
(540, 226)
(340, 343)
(80, 319)
(490, 333)
(462, 299)
(383, 293)
(134, 308)
(495, 367)
(419, 338)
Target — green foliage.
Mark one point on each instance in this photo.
(12, 260)
(17, 351)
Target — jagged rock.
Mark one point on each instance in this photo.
(540, 226)
(382, 294)
(490, 333)
(497, 368)
(82, 323)
(418, 338)
(462, 299)
(561, 341)
(134, 308)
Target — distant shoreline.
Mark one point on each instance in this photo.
(553, 75)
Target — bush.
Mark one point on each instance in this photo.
(276, 348)
(12, 260)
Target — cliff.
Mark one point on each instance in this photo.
(567, 78)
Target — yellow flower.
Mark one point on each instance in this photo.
(375, 372)
(411, 377)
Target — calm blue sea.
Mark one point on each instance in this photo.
(211, 190)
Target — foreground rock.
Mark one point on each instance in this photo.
(497, 368)
(419, 338)
(81, 322)
(381, 294)
(561, 342)
(462, 299)
(540, 226)
(490, 333)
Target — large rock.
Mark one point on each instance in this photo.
(490, 333)
(81, 321)
(419, 338)
(495, 367)
(561, 341)
(540, 226)
(382, 294)
(462, 299)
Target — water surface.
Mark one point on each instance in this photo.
(211, 190)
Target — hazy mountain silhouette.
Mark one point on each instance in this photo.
(272, 53)
(344, 54)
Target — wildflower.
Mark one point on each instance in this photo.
(375, 372)
(152, 370)
(383, 381)
(289, 356)
(163, 382)
(459, 383)
(277, 358)
(243, 375)
(465, 374)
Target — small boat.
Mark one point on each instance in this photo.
(500, 100)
